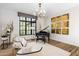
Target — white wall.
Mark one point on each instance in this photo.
(73, 37)
(0, 23)
(0, 27)
(40, 23)
(6, 16)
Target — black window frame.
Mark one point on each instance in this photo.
(32, 22)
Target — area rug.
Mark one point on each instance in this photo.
(48, 50)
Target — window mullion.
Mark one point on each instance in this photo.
(25, 26)
(31, 26)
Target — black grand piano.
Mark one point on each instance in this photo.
(43, 35)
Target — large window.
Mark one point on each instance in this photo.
(27, 24)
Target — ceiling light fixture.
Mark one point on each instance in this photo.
(41, 11)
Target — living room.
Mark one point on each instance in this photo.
(11, 14)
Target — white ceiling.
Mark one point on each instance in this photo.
(30, 8)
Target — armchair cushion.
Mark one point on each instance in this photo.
(19, 42)
(23, 41)
(17, 45)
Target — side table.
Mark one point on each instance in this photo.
(4, 39)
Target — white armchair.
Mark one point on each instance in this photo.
(19, 42)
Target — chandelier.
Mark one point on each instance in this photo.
(40, 12)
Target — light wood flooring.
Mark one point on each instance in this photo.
(70, 48)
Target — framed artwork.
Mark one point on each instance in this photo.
(58, 18)
(65, 31)
(53, 30)
(65, 24)
(53, 19)
(65, 17)
(60, 24)
(53, 25)
(58, 31)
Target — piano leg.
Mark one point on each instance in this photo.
(42, 38)
(37, 39)
(48, 38)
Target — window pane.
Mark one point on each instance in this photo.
(33, 24)
(27, 28)
(20, 27)
(29, 32)
(20, 18)
(27, 23)
(33, 28)
(20, 23)
(20, 32)
(33, 19)
(23, 27)
(28, 19)
(33, 32)
(23, 23)
(23, 32)
(23, 18)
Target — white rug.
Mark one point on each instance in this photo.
(48, 50)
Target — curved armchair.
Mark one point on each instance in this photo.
(19, 42)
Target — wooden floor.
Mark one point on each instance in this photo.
(7, 51)
(70, 48)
